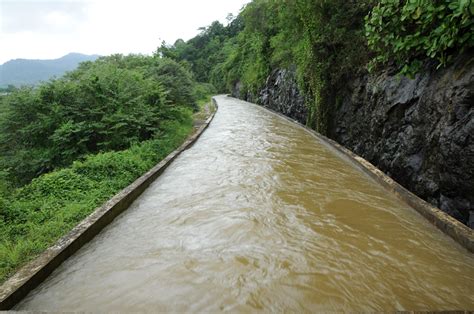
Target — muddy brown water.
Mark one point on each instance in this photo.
(259, 214)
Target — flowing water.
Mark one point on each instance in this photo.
(259, 214)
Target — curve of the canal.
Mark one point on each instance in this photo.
(259, 214)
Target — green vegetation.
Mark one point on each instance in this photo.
(205, 53)
(68, 145)
(328, 42)
(102, 106)
(323, 39)
(408, 32)
(35, 216)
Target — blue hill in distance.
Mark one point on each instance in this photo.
(19, 72)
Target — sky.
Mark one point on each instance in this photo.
(39, 29)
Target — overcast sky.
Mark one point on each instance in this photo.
(39, 29)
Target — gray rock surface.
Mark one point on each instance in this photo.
(280, 93)
(420, 131)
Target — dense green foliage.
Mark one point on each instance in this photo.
(327, 42)
(323, 39)
(408, 32)
(69, 144)
(203, 52)
(104, 105)
(35, 216)
(176, 80)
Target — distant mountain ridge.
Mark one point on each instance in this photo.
(20, 72)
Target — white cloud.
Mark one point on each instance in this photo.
(50, 29)
(57, 19)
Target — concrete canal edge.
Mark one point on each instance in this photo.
(447, 224)
(35, 272)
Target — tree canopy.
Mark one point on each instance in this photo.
(104, 105)
(328, 42)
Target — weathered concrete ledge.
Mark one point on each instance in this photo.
(447, 224)
(35, 272)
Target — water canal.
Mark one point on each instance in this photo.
(259, 214)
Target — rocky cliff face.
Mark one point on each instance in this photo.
(420, 132)
(280, 93)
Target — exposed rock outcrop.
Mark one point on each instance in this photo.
(280, 93)
(420, 132)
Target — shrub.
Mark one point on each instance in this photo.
(102, 106)
(35, 216)
(203, 90)
(408, 32)
(176, 80)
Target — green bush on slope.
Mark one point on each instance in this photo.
(36, 215)
(102, 106)
(408, 32)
